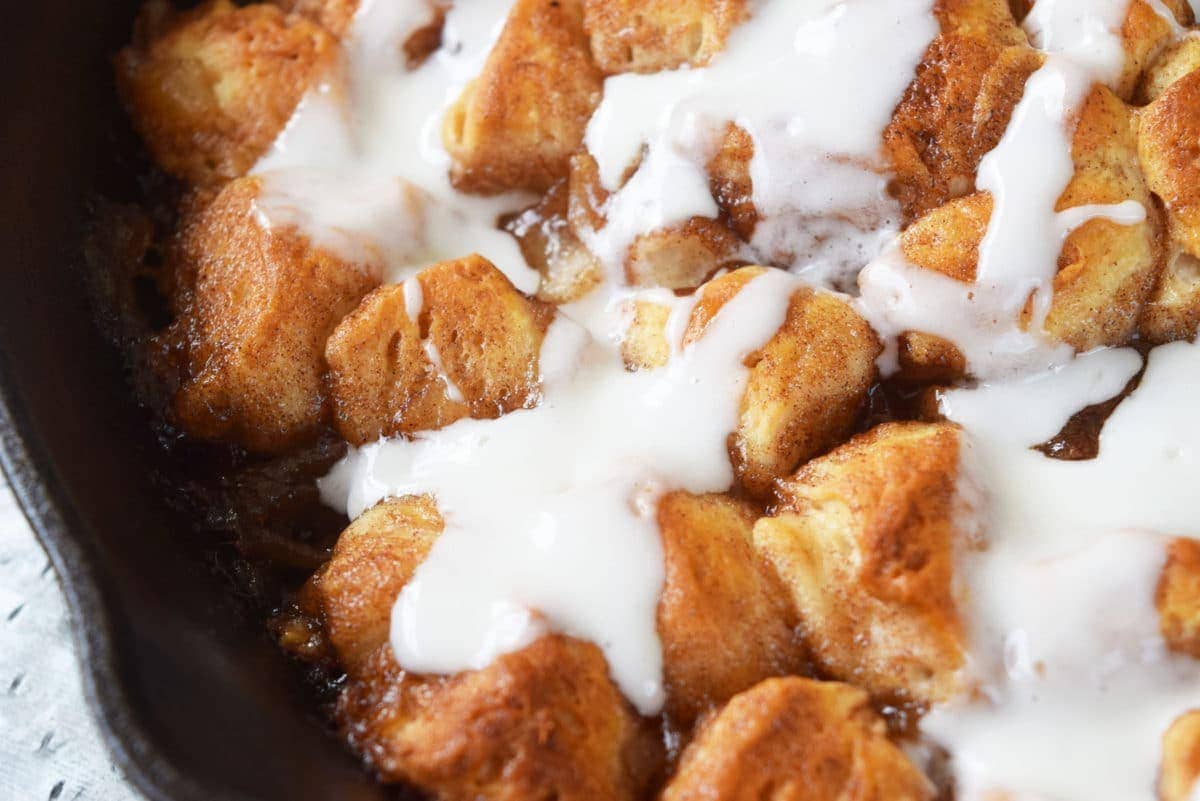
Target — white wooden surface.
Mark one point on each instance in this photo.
(50, 750)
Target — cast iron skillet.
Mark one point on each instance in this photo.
(194, 699)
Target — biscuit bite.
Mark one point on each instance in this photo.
(210, 88)
(1145, 34)
(254, 308)
(681, 256)
(723, 617)
(1180, 758)
(373, 559)
(952, 114)
(865, 540)
(655, 35)
(1171, 169)
(466, 345)
(543, 722)
(516, 125)
(551, 245)
(807, 386)
(795, 739)
(1106, 270)
(1177, 597)
(1174, 63)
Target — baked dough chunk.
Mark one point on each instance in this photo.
(471, 351)
(1169, 146)
(681, 256)
(723, 617)
(1180, 758)
(730, 182)
(807, 385)
(550, 243)
(1174, 63)
(255, 306)
(1178, 597)
(1144, 36)
(545, 722)
(517, 124)
(865, 540)
(654, 35)
(1106, 271)
(796, 739)
(954, 112)
(209, 89)
(373, 559)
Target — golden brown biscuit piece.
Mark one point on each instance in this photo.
(373, 559)
(1106, 271)
(1168, 133)
(654, 35)
(1180, 758)
(545, 722)
(723, 617)
(1175, 62)
(517, 124)
(255, 306)
(1145, 34)
(681, 256)
(993, 20)
(865, 540)
(807, 385)
(796, 739)
(471, 351)
(209, 89)
(550, 244)
(730, 181)
(953, 113)
(1177, 597)
(1173, 311)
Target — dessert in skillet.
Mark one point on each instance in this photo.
(729, 399)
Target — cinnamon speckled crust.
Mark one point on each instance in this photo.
(953, 113)
(545, 722)
(796, 739)
(730, 181)
(1174, 63)
(517, 124)
(1180, 758)
(723, 617)
(1177, 597)
(255, 307)
(654, 35)
(209, 89)
(373, 559)
(807, 386)
(865, 540)
(1168, 133)
(1144, 36)
(1169, 147)
(1106, 271)
(486, 333)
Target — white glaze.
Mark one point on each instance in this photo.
(549, 512)
(360, 167)
(814, 84)
(1077, 687)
